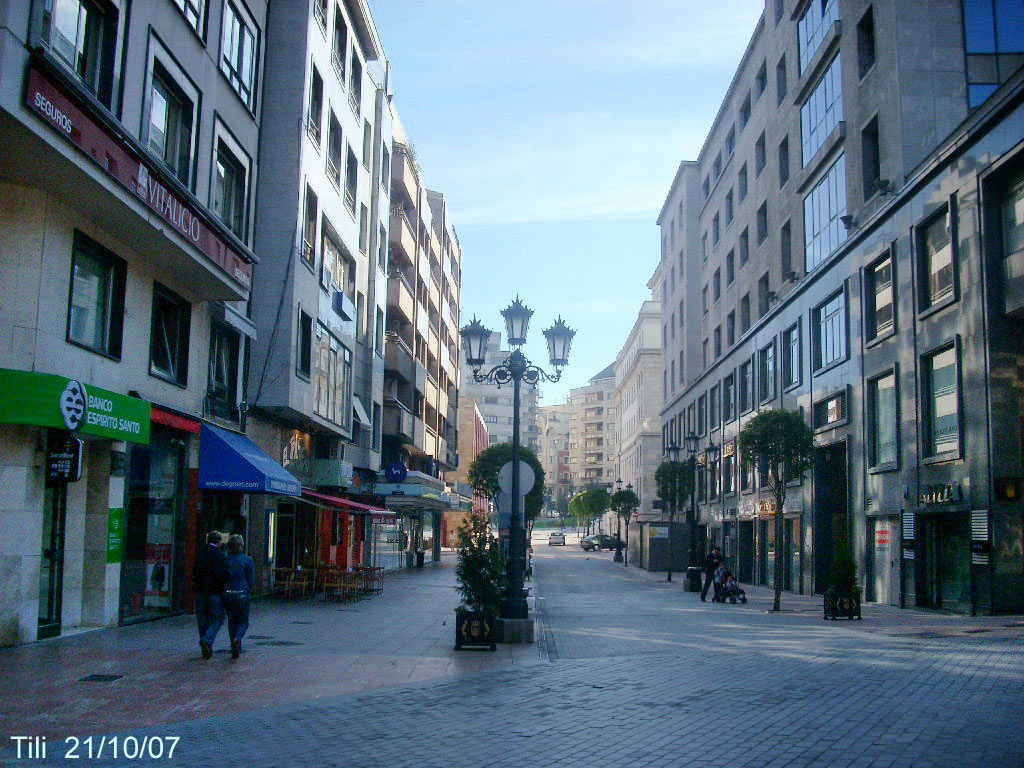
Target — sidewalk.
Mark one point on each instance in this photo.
(296, 651)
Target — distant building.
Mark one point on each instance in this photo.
(553, 421)
(594, 433)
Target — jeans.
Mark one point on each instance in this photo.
(209, 616)
(237, 607)
(708, 578)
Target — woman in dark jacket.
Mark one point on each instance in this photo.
(238, 592)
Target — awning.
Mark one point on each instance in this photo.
(229, 461)
(357, 407)
(352, 507)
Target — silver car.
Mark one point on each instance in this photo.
(556, 538)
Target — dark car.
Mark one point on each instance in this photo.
(597, 541)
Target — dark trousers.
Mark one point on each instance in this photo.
(237, 608)
(209, 616)
(708, 579)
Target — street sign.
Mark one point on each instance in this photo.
(526, 477)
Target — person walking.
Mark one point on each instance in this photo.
(211, 576)
(711, 563)
(238, 592)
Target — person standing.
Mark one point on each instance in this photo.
(238, 592)
(711, 563)
(211, 576)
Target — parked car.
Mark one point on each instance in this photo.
(597, 541)
(556, 538)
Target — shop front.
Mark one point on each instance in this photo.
(346, 531)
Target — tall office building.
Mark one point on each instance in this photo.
(594, 431)
(553, 422)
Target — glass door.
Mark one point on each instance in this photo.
(51, 568)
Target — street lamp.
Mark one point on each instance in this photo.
(516, 369)
(691, 441)
(618, 527)
(672, 449)
(711, 458)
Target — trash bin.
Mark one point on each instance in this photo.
(419, 558)
(693, 579)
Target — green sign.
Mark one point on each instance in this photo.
(45, 400)
(115, 535)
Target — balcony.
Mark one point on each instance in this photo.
(398, 421)
(402, 235)
(430, 393)
(398, 357)
(400, 296)
(404, 178)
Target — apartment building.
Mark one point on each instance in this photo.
(473, 439)
(127, 185)
(553, 422)
(594, 432)
(317, 379)
(846, 245)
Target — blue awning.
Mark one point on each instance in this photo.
(232, 462)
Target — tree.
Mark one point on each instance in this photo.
(575, 508)
(480, 569)
(483, 476)
(595, 501)
(625, 503)
(674, 481)
(781, 444)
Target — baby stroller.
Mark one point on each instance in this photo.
(731, 591)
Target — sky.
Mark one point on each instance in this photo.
(554, 129)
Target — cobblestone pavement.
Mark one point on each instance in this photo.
(628, 671)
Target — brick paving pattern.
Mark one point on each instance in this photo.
(628, 671)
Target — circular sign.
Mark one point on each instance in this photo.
(396, 472)
(526, 478)
(72, 404)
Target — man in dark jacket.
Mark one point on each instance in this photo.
(211, 576)
(711, 563)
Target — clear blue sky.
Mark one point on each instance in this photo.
(554, 129)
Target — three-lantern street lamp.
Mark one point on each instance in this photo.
(516, 369)
(691, 441)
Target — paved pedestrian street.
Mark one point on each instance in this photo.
(628, 671)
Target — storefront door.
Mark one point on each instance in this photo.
(745, 559)
(792, 549)
(947, 563)
(51, 566)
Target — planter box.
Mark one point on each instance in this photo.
(844, 605)
(474, 630)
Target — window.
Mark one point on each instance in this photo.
(741, 182)
(378, 335)
(745, 313)
(367, 144)
(304, 345)
(759, 155)
(334, 145)
(730, 268)
(745, 112)
(764, 295)
(718, 342)
(355, 83)
(791, 356)
(761, 81)
(991, 27)
(170, 125)
(830, 331)
(309, 229)
(830, 411)
(336, 267)
(385, 169)
(883, 419)
(672, 374)
(744, 246)
(672, 324)
(729, 472)
(780, 11)
(716, 167)
(320, 13)
(730, 141)
(704, 299)
(716, 230)
(704, 247)
(229, 190)
(716, 282)
(781, 87)
(822, 111)
(377, 429)
(786, 252)
(878, 294)
(706, 187)
(746, 387)
(730, 329)
(340, 45)
(702, 409)
(729, 211)
(193, 12)
(1012, 218)
(762, 222)
(351, 180)
(813, 26)
(222, 377)
(316, 106)
(364, 228)
(866, 42)
(713, 406)
(96, 301)
(168, 341)
(824, 206)
(766, 373)
(82, 34)
(332, 397)
(941, 402)
(871, 170)
(784, 162)
(935, 242)
(704, 353)
(238, 53)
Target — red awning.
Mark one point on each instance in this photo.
(353, 507)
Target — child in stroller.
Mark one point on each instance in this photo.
(726, 587)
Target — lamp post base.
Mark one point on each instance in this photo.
(514, 631)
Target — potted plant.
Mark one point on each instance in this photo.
(842, 598)
(480, 572)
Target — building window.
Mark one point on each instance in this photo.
(830, 331)
(764, 294)
(870, 162)
(334, 145)
(351, 180)
(741, 183)
(379, 332)
(745, 313)
(866, 42)
(941, 402)
(364, 228)
(830, 411)
(744, 246)
(229, 190)
(784, 161)
(761, 81)
(316, 106)
(705, 187)
(718, 342)
(355, 83)
(333, 389)
(702, 409)
(786, 253)
(339, 45)
(238, 53)
(704, 353)
(716, 283)
(729, 212)
(762, 222)
(878, 294)
(822, 111)
(791, 356)
(729, 474)
(781, 87)
(991, 27)
(704, 247)
(320, 13)
(82, 34)
(730, 268)
(336, 268)
(704, 299)
(745, 112)
(746, 386)
(935, 243)
(309, 228)
(169, 331)
(714, 419)
(222, 378)
(1012, 218)
(192, 10)
(96, 301)
(716, 230)
(883, 418)
(304, 345)
(824, 207)
(367, 144)
(760, 158)
(730, 329)
(766, 373)
(171, 116)
(813, 26)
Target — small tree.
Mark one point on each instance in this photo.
(595, 501)
(480, 569)
(674, 481)
(483, 476)
(781, 443)
(625, 503)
